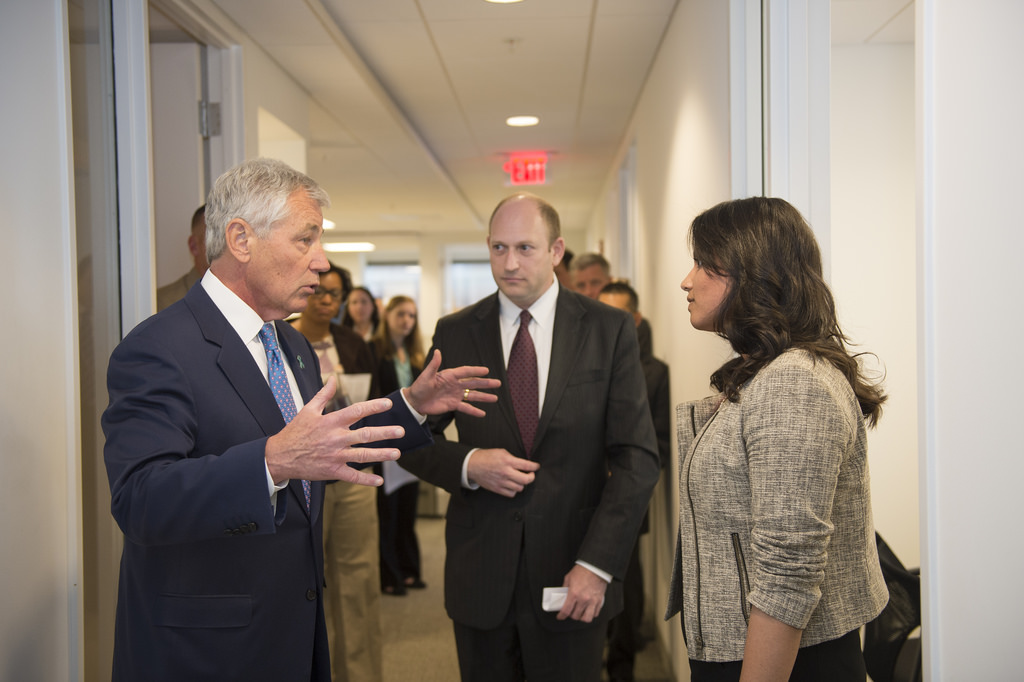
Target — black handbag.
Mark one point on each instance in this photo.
(890, 653)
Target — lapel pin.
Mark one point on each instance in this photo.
(301, 364)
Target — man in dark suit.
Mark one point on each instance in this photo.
(548, 489)
(590, 273)
(217, 449)
(624, 631)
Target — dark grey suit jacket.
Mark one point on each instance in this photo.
(597, 454)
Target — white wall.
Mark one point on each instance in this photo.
(681, 130)
(683, 151)
(277, 140)
(176, 89)
(873, 262)
(269, 88)
(971, 142)
(40, 625)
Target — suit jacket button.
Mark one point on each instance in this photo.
(517, 516)
(311, 595)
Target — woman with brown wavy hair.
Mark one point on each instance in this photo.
(777, 567)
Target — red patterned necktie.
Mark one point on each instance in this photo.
(279, 384)
(522, 381)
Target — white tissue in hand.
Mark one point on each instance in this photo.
(554, 598)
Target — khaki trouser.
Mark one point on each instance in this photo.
(352, 570)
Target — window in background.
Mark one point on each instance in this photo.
(467, 281)
(391, 279)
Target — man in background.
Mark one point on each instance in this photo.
(176, 290)
(624, 632)
(548, 490)
(590, 272)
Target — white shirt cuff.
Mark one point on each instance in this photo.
(419, 417)
(466, 483)
(273, 488)
(607, 577)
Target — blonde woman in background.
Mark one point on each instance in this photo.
(399, 351)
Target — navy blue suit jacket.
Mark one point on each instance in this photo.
(213, 584)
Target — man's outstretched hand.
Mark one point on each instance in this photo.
(318, 447)
(450, 390)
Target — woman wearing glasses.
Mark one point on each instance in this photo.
(351, 554)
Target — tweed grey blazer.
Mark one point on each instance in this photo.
(774, 511)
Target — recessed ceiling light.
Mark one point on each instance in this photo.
(349, 247)
(329, 224)
(521, 121)
(503, 2)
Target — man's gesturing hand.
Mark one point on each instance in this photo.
(318, 447)
(500, 471)
(452, 389)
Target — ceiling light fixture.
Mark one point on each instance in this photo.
(503, 2)
(329, 224)
(521, 121)
(349, 247)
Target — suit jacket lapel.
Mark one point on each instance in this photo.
(298, 357)
(244, 376)
(568, 337)
(236, 362)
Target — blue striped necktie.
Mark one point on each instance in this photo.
(279, 384)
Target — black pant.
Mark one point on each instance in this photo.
(624, 638)
(521, 648)
(838, 660)
(399, 547)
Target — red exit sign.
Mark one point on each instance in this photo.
(527, 169)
